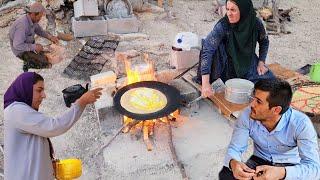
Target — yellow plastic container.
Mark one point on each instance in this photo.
(68, 169)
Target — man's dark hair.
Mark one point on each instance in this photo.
(280, 92)
(37, 78)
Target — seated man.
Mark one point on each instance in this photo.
(285, 141)
(22, 40)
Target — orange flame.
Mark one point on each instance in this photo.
(142, 72)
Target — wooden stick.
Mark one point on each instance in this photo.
(160, 3)
(138, 132)
(128, 126)
(164, 119)
(109, 142)
(146, 138)
(172, 118)
(285, 12)
(174, 154)
(275, 13)
(151, 128)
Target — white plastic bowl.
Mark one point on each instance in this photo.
(238, 90)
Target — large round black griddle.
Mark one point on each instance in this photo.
(172, 94)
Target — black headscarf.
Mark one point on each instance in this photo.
(243, 37)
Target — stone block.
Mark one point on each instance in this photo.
(167, 75)
(83, 28)
(102, 79)
(123, 25)
(85, 8)
(188, 92)
(109, 120)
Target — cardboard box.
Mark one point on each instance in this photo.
(184, 59)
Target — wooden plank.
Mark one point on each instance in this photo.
(231, 110)
(224, 106)
(282, 72)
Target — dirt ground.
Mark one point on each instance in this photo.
(84, 139)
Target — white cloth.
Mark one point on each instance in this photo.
(26, 148)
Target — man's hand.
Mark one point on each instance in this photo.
(39, 48)
(269, 173)
(54, 39)
(89, 97)
(262, 69)
(241, 171)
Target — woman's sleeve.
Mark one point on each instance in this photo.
(210, 46)
(263, 41)
(30, 121)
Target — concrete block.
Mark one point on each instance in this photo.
(85, 8)
(167, 75)
(109, 120)
(83, 28)
(188, 92)
(184, 59)
(102, 79)
(106, 81)
(123, 25)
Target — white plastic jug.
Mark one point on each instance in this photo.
(186, 41)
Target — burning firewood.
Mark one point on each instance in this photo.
(146, 138)
(151, 128)
(275, 17)
(129, 125)
(136, 131)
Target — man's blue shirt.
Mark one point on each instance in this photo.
(294, 140)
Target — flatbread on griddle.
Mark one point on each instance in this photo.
(143, 100)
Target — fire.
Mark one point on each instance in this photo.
(142, 72)
(143, 100)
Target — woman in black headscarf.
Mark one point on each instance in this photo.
(229, 50)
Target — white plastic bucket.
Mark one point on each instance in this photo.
(238, 90)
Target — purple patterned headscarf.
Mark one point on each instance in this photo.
(21, 90)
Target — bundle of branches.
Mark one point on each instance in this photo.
(275, 17)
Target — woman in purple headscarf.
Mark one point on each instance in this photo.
(28, 150)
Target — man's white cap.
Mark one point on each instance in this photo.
(36, 7)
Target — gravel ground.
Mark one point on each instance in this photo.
(292, 51)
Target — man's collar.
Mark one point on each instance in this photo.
(29, 20)
(283, 120)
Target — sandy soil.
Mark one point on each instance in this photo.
(293, 51)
